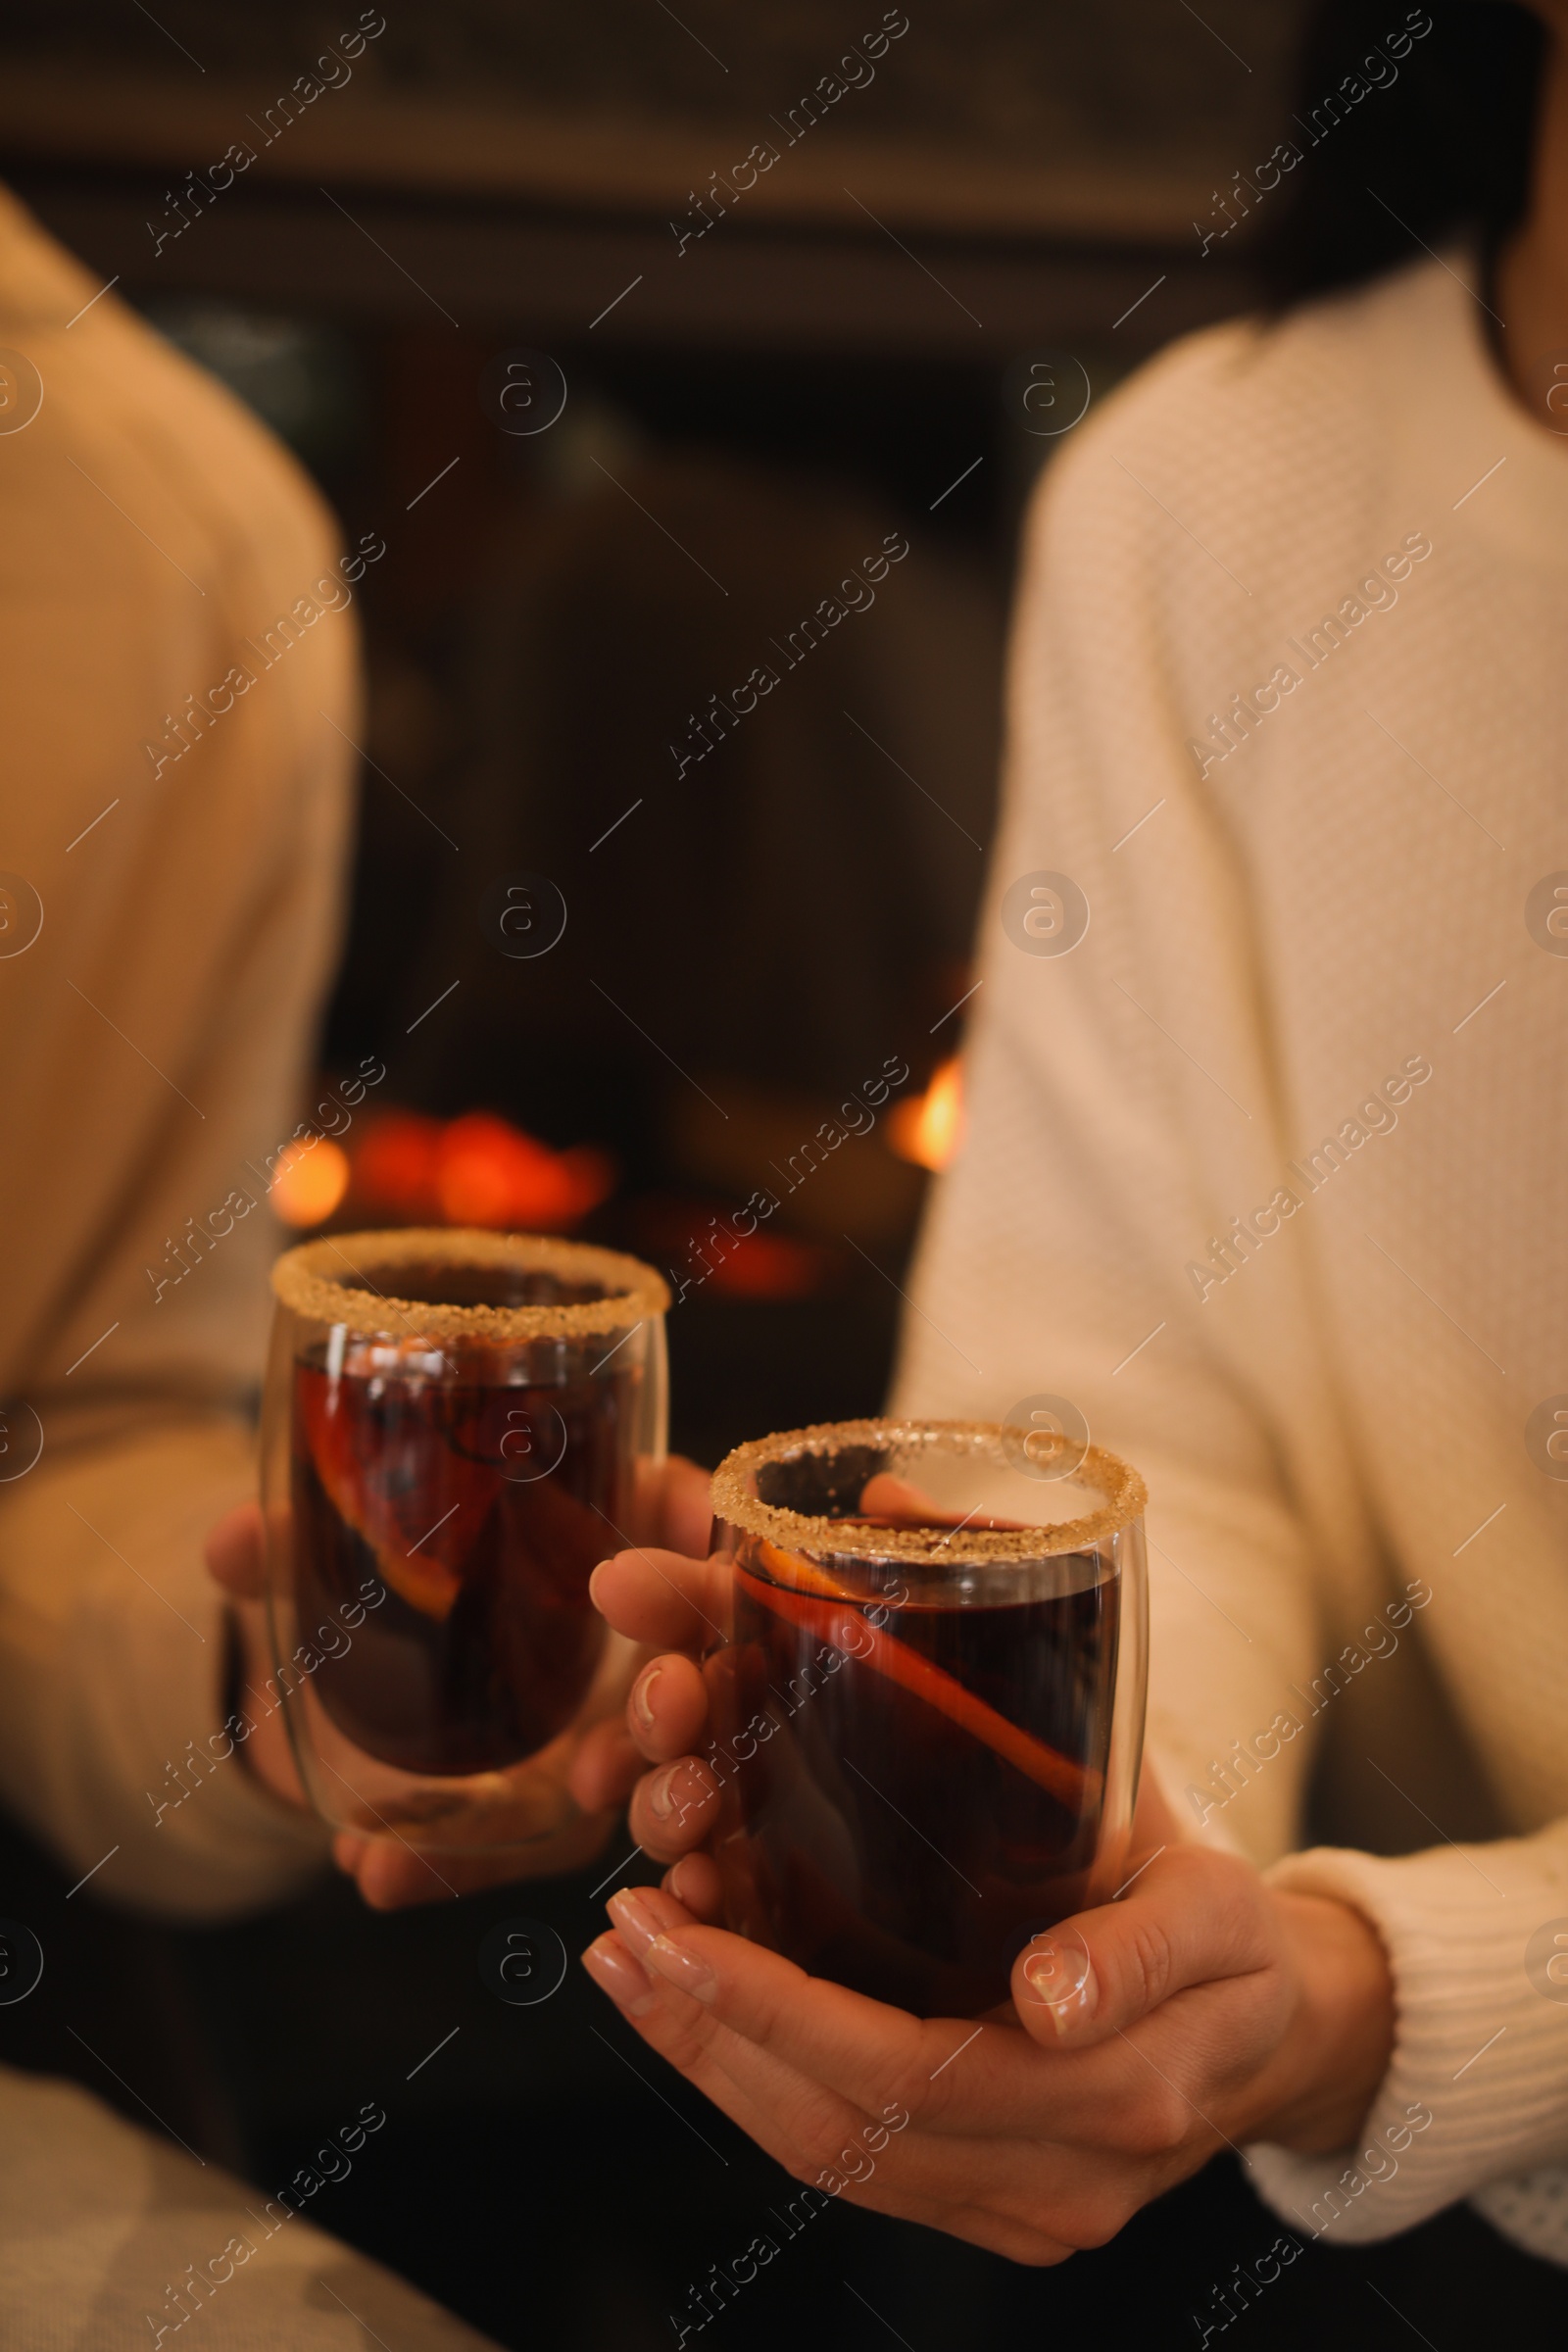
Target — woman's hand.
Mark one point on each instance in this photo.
(592, 1766)
(1211, 2011)
(679, 1607)
(1202, 2010)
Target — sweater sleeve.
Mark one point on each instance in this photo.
(1476, 2097)
(1119, 1105)
(178, 696)
(1122, 1091)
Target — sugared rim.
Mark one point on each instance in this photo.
(339, 1279)
(800, 1530)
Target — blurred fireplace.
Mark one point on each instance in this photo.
(768, 907)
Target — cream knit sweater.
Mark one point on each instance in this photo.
(153, 1040)
(1266, 1171)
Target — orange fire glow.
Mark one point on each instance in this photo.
(768, 1265)
(488, 1172)
(311, 1180)
(702, 1248)
(475, 1170)
(930, 1129)
(394, 1166)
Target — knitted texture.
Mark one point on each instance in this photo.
(1262, 1166)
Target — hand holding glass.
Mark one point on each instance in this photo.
(924, 1708)
(458, 1426)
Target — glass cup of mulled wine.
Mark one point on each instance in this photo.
(458, 1426)
(928, 1713)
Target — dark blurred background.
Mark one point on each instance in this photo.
(841, 361)
(836, 359)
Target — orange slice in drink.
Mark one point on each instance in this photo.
(421, 1562)
(807, 1597)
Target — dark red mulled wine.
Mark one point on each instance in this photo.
(917, 1774)
(468, 1512)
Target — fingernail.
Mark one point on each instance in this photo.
(598, 1572)
(640, 1691)
(1061, 1982)
(633, 1917)
(616, 1973)
(682, 1967)
(661, 1793)
(674, 1882)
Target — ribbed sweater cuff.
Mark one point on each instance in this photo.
(1476, 2095)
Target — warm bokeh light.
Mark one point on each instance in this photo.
(394, 1166)
(309, 1180)
(475, 1170)
(930, 1129)
(488, 1172)
(696, 1240)
(768, 1265)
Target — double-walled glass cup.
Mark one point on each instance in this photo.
(928, 1715)
(458, 1426)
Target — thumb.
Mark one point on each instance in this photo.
(1192, 1916)
(234, 1553)
(1155, 1824)
(686, 1509)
